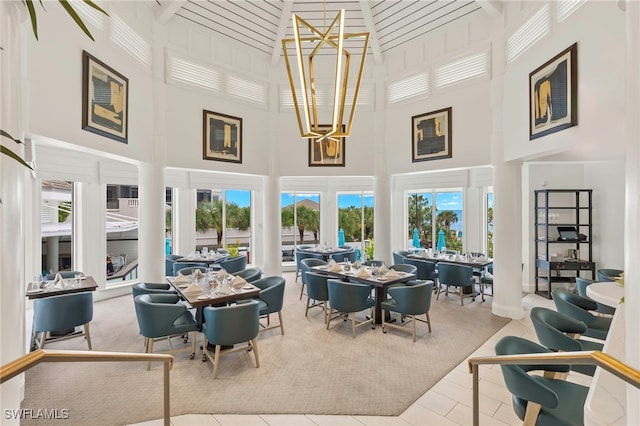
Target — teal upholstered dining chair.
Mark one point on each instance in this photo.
(487, 280)
(408, 300)
(350, 298)
(351, 256)
(63, 312)
(300, 254)
(404, 267)
(560, 332)
(373, 262)
(186, 268)
(161, 316)
(169, 261)
(425, 269)
(452, 275)
(399, 256)
(148, 288)
(228, 326)
(271, 300)
(581, 286)
(318, 292)
(578, 307)
(543, 400)
(607, 274)
(234, 264)
(250, 274)
(305, 266)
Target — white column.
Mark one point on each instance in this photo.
(272, 226)
(184, 220)
(507, 207)
(89, 230)
(12, 176)
(151, 223)
(632, 204)
(507, 237)
(382, 220)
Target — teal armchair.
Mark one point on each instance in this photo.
(305, 266)
(581, 285)
(546, 401)
(578, 307)
(161, 316)
(452, 275)
(234, 264)
(350, 298)
(187, 268)
(250, 274)
(560, 332)
(408, 300)
(317, 291)
(62, 313)
(271, 300)
(228, 326)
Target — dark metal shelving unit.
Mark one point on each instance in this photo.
(575, 205)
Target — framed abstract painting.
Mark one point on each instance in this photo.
(221, 137)
(105, 99)
(553, 94)
(324, 152)
(431, 134)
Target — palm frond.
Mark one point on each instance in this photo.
(74, 15)
(32, 15)
(7, 135)
(8, 152)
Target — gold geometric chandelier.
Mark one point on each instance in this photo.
(313, 121)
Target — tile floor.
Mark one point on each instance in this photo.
(446, 403)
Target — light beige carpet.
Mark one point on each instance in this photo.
(309, 370)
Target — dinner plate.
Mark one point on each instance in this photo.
(247, 287)
(203, 297)
(37, 290)
(183, 286)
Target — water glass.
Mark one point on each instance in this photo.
(76, 281)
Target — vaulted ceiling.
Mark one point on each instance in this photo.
(262, 24)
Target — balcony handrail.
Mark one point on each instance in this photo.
(597, 358)
(24, 363)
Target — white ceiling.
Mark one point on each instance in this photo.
(262, 24)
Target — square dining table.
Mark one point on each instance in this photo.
(379, 282)
(219, 296)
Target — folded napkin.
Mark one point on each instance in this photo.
(335, 268)
(238, 282)
(197, 274)
(362, 273)
(392, 273)
(458, 258)
(216, 256)
(221, 273)
(383, 270)
(58, 282)
(193, 288)
(332, 262)
(181, 279)
(356, 265)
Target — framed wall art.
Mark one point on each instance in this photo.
(222, 137)
(553, 94)
(327, 152)
(105, 99)
(431, 134)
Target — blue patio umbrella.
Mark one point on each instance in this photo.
(340, 237)
(441, 242)
(416, 238)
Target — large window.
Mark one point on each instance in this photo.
(355, 218)
(56, 225)
(223, 219)
(300, 221)
(446, 207)
(122, 233)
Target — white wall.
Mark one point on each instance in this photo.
(601, 84)
(55, 74)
